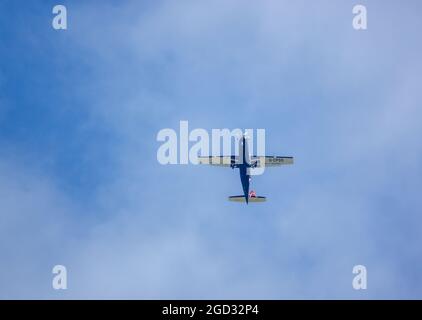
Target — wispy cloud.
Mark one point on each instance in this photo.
(344, 103)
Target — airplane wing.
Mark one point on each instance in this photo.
(222, 161)
(271, 161)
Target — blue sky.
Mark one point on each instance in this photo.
(80, 184)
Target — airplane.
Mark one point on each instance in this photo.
(244, 168)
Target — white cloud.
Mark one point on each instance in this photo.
(166, 232)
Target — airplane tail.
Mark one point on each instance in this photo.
(250, 199)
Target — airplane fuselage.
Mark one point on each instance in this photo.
(244, 166)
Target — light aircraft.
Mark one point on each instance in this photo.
(245, 162)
